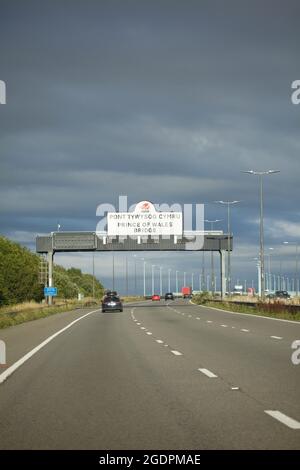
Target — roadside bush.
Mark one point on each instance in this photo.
(202, 299)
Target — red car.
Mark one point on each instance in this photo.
(155, 297)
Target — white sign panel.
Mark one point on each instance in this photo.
(145, 220)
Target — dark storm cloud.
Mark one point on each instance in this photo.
(162, 100)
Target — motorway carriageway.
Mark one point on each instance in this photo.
(160, 375)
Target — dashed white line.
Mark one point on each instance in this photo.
(290, 422)
(246, 331)
(197, 318)
(159, 341)
(276, 337)
(190, 316)
(208, 373)
(149, 333)
(209, 321)
(224, 326)
(138, 324)
(143, 328)
(176, 353)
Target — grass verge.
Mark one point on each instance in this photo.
(132, 298)
(21, 313)
(273, 310)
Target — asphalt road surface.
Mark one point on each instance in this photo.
(160, 375)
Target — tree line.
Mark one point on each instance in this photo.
(19, 277)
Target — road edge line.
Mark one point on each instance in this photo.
(245, 314)
(33, 351)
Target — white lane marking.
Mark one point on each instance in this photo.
(197, 318)
(208, 373)
(159, 341)
(138, 324)
(276, 337)
(246, 314)
(176, 353)
(209, 321)
(143, 328)
(235, 388)
(190, 316)
(149, 333)
(31, 353)
(166, 345)
(290, 422)
(224, 326)
(233, 327)
(246, 331)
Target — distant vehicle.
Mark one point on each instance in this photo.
(169, 296)
(186, 292)
(112, 303)
(238, 290)
(250, 291)
(110, 293)
(270, 296)
(282, 294)
(155, 297)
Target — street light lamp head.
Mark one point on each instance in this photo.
(212, 221)
(261, 173)
(227, 202)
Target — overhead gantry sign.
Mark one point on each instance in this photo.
(141, 230)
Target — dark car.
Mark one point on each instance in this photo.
(282, 294)
(112, 304)
(270, 296)
(111, 293)
(169, 296)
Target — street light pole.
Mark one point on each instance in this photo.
(203, 273)
(177, 281)
(93, 275)
(269, 267)
(153, 266)
(144, 278)
(213, 284)
(134, 274)
(169, 279)
(296, 270)
(229, 204)
(261, 174)
(160, 279)
(113, 271)
(126, 273)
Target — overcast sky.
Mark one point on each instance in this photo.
(158, 100)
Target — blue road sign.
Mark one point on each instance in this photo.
(50, 291)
